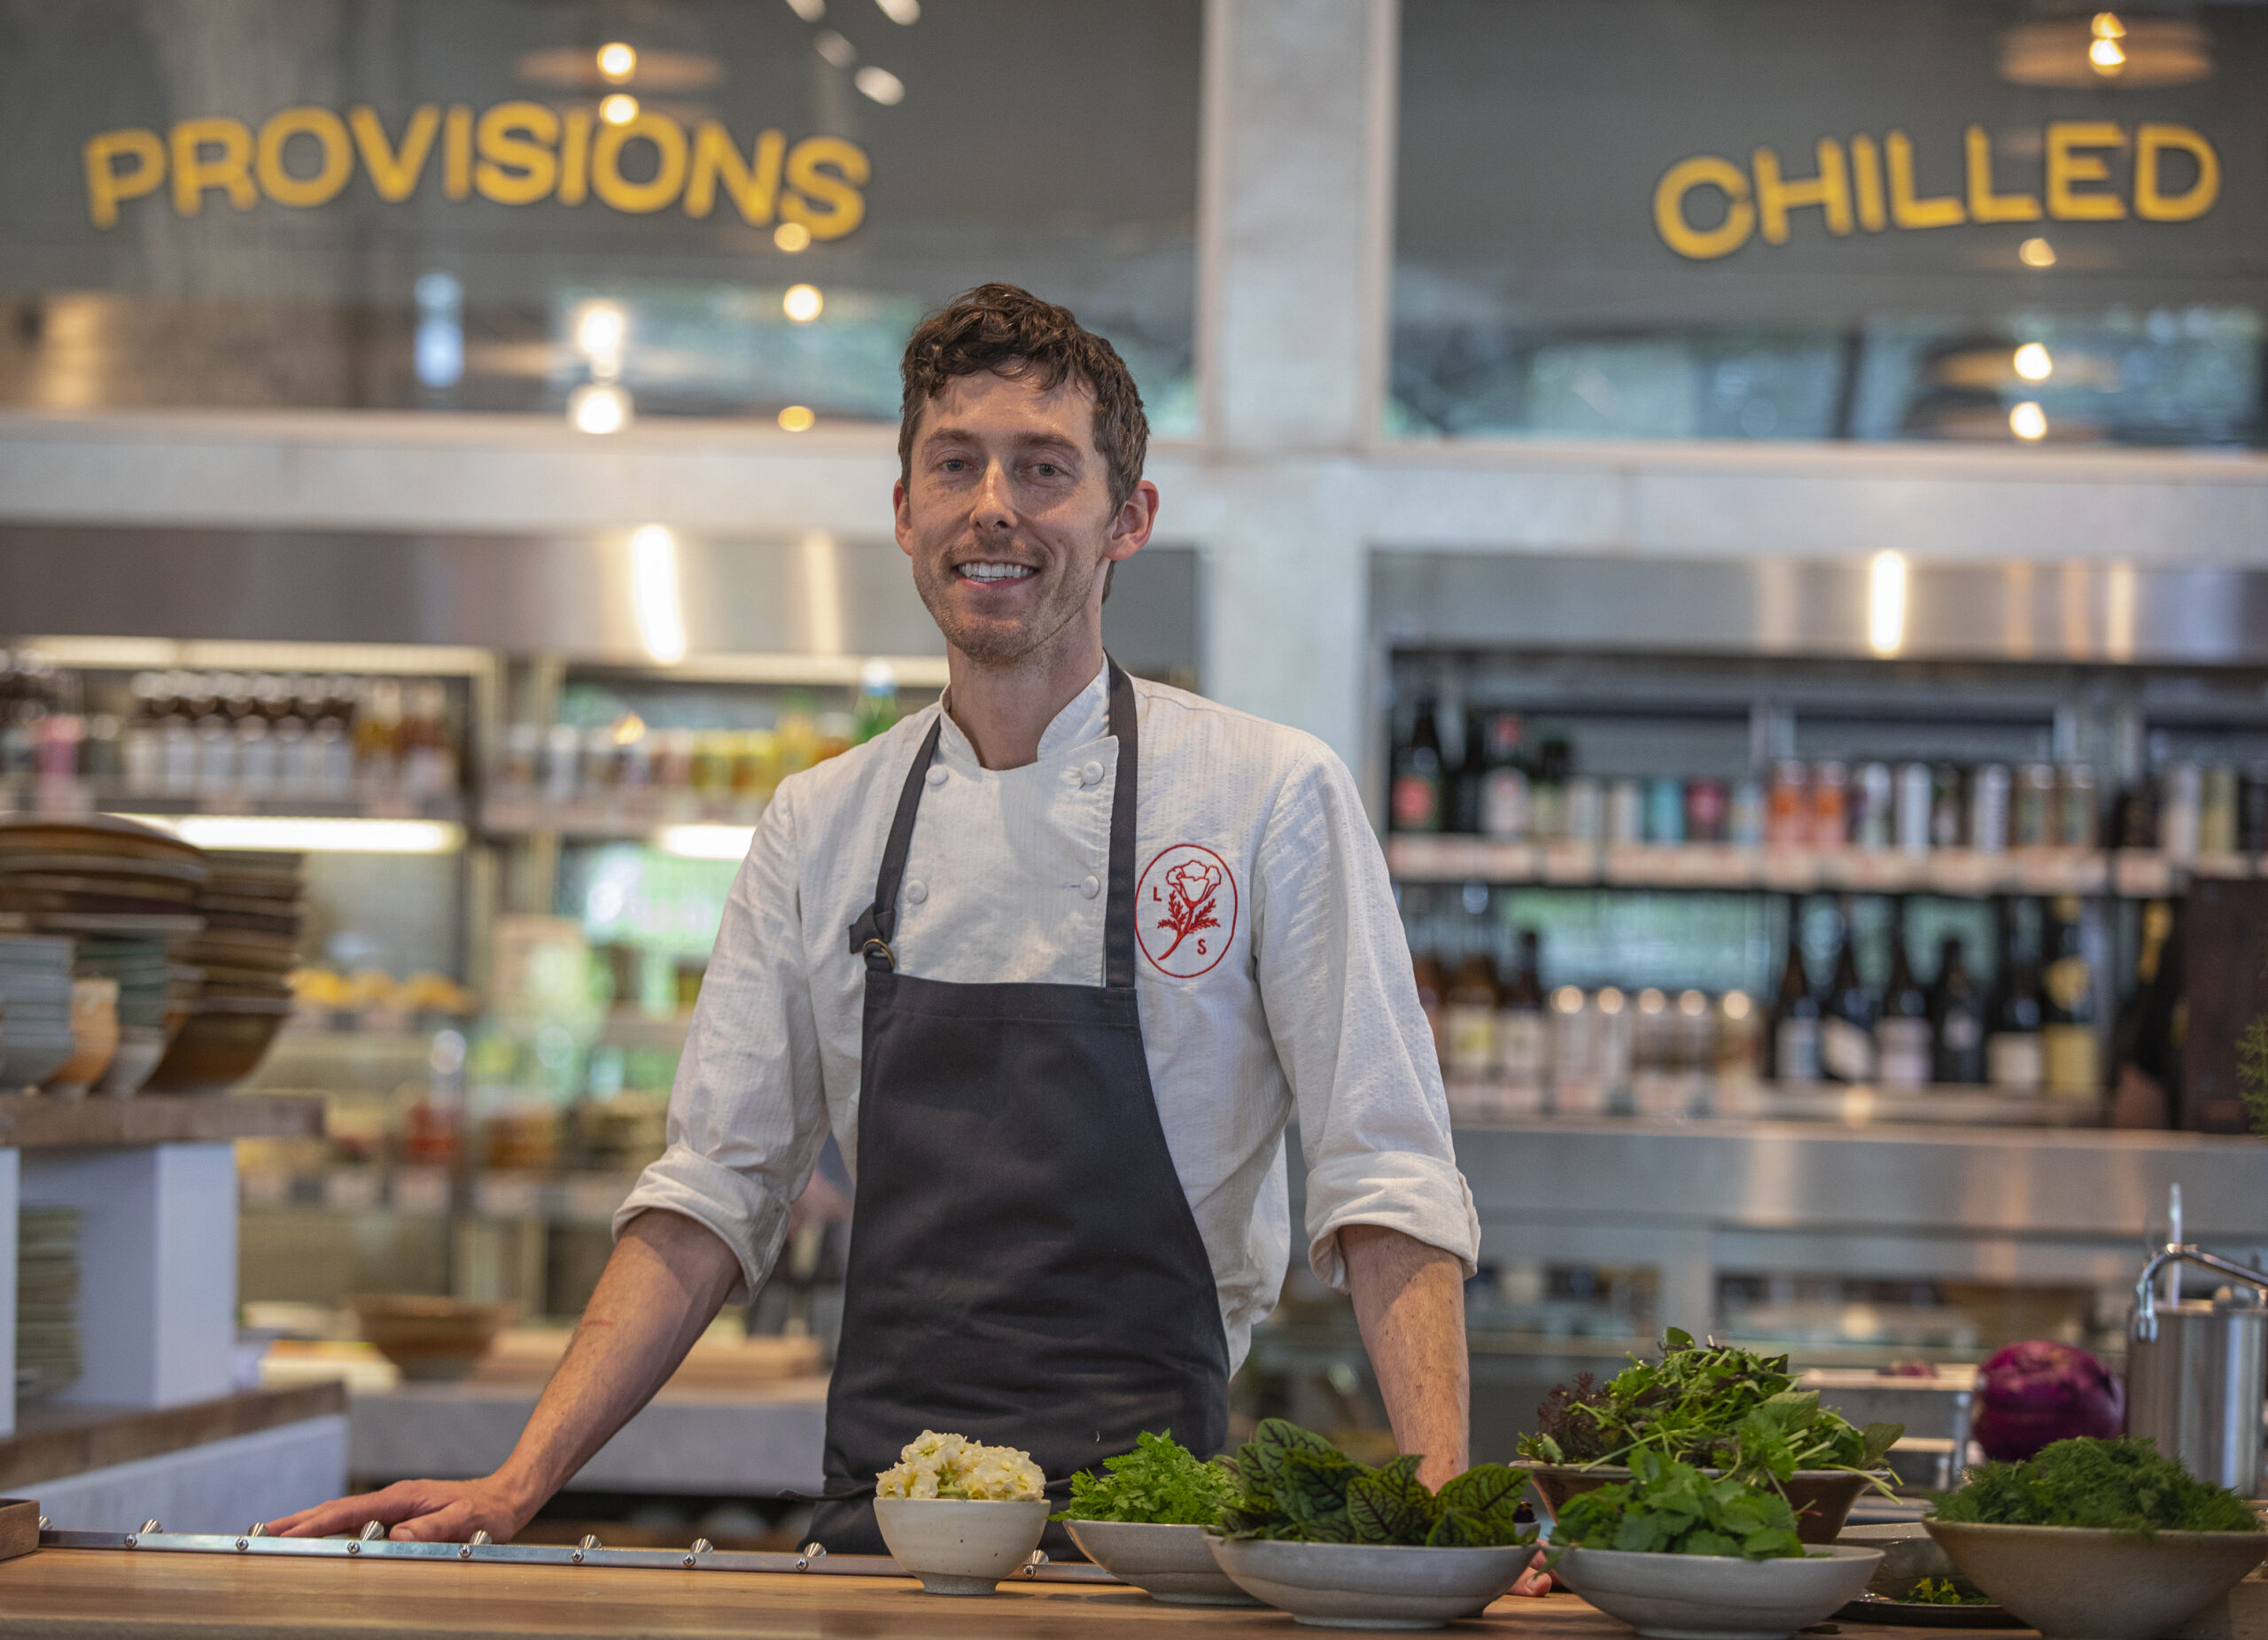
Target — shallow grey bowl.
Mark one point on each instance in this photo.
(1909, 1554)
(1365, 1586)
(1169, 1563)
(1718, 1597)
(2073, 1583)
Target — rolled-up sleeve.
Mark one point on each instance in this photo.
(748, 1112)
(1341, 1004)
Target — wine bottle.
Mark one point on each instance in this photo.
(1846, 1030)
(2012, 1055)
(1523, 1043)
(2146, 1082)
(1795, 1012)
(2071, 1051)
(1417, 797)
(1469, 1019)
(1902, 1040)
(1956, 1017)
(1503, 781)
(1428, 976)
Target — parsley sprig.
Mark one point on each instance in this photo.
(1160, 1481)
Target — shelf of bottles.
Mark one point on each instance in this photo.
(1927, 925)
(176, 743)
(629, 755)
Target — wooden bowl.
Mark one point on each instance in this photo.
(219, 1044)
(431, 1339)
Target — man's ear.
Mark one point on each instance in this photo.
(902, 517)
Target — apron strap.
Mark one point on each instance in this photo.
(877, 925)
(870, 934)
(1118, 920)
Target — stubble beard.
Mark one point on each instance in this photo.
(1003, 646)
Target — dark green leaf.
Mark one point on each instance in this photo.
(1315, 1484)
(1454, 1529)
(1390, 1506)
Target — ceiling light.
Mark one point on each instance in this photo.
(906, 12)
(2107, 55)
(810, 10)
(620, 109)
(2028, 421)
(2107, 26)
(792, 238)
(803, 303)
(2033, 363)
(654, 596)
(879, 84)
(1887, 603)
(705, 842)
(2035, 253)
(798, 419)
(835, 49)
(601, 328)
(311, 834)
(616, 62)
(598, 407)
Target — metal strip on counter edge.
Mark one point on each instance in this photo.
(532, 1554)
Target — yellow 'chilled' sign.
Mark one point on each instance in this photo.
(513, 154)
(1872, 187)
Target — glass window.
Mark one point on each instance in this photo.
(709, 207)
(1877, 219)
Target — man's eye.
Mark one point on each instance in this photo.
(954, 464)
(1046, 469)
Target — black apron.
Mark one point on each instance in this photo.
(1024, 1268)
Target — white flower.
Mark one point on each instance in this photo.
(947, 1465)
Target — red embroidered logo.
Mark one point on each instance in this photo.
(1185, 910)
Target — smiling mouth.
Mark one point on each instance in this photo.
(993, 573)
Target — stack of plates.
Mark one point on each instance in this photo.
(35, 1039)
(145, 997)
(97, 874)
(251, 908)
(47, 1301)
(254, 909)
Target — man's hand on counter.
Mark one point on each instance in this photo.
(664, 1283)
(419, 1512)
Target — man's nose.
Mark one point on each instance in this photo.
(995, 508)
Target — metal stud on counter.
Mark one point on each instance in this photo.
(700, 1546)
(590, 1541)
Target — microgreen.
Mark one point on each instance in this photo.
(2116, 1485)
(1710, 1405)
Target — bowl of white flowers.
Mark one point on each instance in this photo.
(960, 1515)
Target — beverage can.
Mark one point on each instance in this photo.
(1913, 808)
(1988, 808)
(1665, 811)
(1626, 812)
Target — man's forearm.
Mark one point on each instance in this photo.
(665, 1281)
(1409, 1303)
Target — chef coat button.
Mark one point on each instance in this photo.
(936, 777)
(1091, 775)
(1091, 888)
(917, 892)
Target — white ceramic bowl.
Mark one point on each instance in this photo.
(1363, 1586)
(1718, 1597)
(1173, 1564)
(958, 1545)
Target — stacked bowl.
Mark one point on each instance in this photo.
(253, 907)
(121, 892)
(36, 1039)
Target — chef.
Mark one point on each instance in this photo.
(1055, 961)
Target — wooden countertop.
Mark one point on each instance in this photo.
(79, 1594)
(35, 1122)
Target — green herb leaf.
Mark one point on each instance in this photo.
(1391, 1506)
(2114, 1485)
(1159, 1481)
(1671, 1507)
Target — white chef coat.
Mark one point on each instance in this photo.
(1278, 983)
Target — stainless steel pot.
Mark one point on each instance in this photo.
(2196, 1372)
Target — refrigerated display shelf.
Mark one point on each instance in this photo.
(1697, 1099)
(2131, 874)
(587, 1199)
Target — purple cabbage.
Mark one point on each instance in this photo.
(2037, 1392)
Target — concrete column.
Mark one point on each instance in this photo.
(1296, 208)
(157, 1268)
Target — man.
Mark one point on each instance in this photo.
(1055, 961)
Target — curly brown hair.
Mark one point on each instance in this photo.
(1010, 332)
